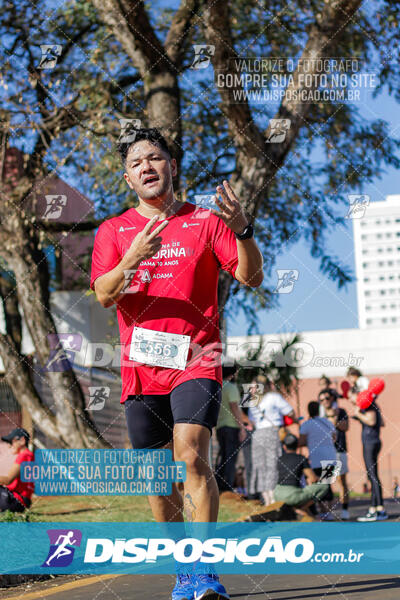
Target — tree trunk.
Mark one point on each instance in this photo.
(18, 378)
(28, 263)
(12, 317)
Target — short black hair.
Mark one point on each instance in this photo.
(328, 391)
(325, 378)
(228, 370)
(291, 441)
(313, 409)
(152, 135)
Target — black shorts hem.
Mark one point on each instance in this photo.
(190, 421)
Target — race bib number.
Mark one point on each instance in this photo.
(159, 348)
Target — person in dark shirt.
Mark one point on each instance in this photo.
(291, 468)
(372, 421)
(339, 418)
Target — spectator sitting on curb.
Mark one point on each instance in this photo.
(291, 467)
(15, 495)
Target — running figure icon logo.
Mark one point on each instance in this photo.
(98, 396)
(50, 54)
(62, 547)
(63, 347)
(358, 205)
(330, 470)
(286, 280)
(252, 394)
(202, 55)
(128, 131)
(278, 130)
(54, 206)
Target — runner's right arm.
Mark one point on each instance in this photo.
(108, 287)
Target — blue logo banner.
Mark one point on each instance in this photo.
(251, 548)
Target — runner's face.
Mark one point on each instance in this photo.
(149, 171)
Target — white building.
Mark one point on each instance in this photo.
(377, 257)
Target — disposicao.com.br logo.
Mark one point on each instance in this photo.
(249, 551)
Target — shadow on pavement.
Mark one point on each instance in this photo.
(368, 587)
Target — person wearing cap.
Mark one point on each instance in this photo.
(15, 495)
(291, 468)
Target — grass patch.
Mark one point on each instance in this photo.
(116, 509)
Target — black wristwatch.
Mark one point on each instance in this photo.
(246, 234)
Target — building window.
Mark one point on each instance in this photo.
(367, 293)
(366, 279)
(390, 263)
(369, 321)
(393, 319)
(381, 279)
(384, 320)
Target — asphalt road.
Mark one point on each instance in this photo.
(271, 587)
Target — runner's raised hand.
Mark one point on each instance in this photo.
(146, 243)
(231, 211)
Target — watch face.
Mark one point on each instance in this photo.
(247, 233)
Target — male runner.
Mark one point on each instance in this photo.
(168, 320)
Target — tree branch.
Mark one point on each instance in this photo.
(180, 30)
(323, 37)
(132, 28)
(242, 128)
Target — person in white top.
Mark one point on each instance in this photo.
(267, 418)
(318, 434)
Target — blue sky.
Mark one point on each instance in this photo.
(315, 302)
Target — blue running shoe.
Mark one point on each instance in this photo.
(184, 589)
(208, 587)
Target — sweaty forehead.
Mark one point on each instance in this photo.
(143, 149)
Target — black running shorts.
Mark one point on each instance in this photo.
(151, 418)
